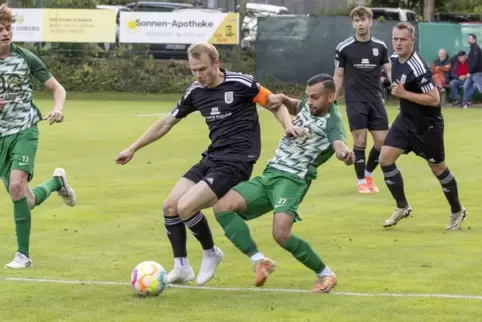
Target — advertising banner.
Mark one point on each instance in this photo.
(179, 27)
(79, 25)
(28, 25)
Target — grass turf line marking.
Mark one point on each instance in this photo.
(242, 289)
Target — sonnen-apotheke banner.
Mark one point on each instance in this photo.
(64, 25)
(179, 27)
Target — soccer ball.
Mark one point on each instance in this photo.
(149, 278)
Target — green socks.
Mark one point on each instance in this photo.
(303, 252)
(23, 222)
(237, 231)
(43, 191)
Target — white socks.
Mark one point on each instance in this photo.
(325, 272)
(257, 257)
(181, 262)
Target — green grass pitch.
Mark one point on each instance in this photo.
(118, 223)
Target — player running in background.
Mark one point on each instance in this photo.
(285, 181)
(227, 100)
(419, 127)
(358, 62)
(19, 134)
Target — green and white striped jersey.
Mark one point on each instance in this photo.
(303, 155)
(16, 88)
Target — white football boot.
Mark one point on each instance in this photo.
(397, 215)
(179, 275)
(456, 220)
(20, 261)
(66, 193)
(208, 266)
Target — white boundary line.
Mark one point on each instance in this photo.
(241, 289)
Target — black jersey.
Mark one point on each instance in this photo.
(416, 76)
(230, 113)
(362, 62)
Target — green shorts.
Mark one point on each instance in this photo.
(17, 152)
(274, 190)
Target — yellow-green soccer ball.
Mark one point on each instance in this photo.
(149, 278)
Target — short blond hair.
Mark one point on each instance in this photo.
(6, 15)
(361, 12)
(196, 50)
(405, 26)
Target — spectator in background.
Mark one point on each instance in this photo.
(474, 80)
(441, 69)
(459, 75)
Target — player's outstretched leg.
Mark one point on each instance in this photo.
(394, 182)
(237, 231)
(189, 209)
(25, 201)
(303, 252)
(450, 189)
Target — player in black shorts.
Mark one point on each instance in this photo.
(227, 101)
(358, 62)
(419, 127)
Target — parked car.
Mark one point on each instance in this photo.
(118, 10)
(158, 6)
(394, 14)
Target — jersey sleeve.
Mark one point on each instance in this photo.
(339, 57)
(424, 77)
(335, 128)
(385, 55)
(252, 89)
(37, 67)
(185, 106)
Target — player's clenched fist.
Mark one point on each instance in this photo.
(349, 158)
(124, 157)
(398, 89)
(274, 101)
(295, 131)
(55, 116)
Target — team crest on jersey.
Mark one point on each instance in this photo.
(403, 78)
(375, 51)
(228, 97)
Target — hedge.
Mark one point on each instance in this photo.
(130, 68)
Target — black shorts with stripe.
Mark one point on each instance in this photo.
(425, 141)
(220, 175)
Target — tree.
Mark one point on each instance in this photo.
(242, 10)
(428, 10)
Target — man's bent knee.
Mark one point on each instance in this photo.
(18, 185)
(231, 202)
(388, 155)
(169, 208)
(281, 234)
(437, 168)
(282, 228)
(379, 138)
(360, 138)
